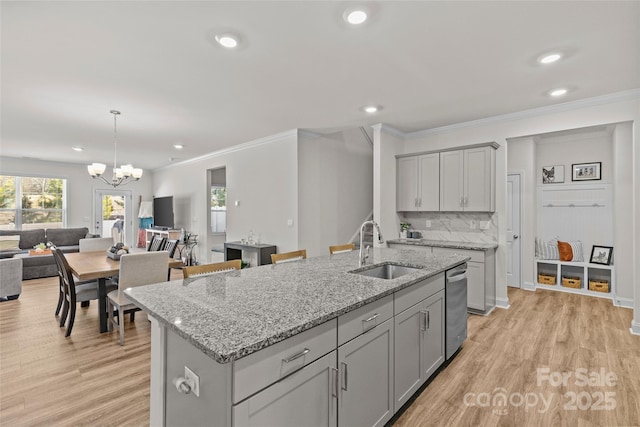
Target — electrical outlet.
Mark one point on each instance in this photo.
(193, 380)
(289, 223)
(484, 225)
(473, 224)
(427, 223)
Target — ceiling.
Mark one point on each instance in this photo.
(299, 65)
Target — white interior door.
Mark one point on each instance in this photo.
(111, 206)
(514, 276)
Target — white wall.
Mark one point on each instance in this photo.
(80, 188)
(615, 108)
(335, 188)
(387, 142)
(521, 157)
(569, 149)
(261, 176)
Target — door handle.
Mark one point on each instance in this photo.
(515, 236)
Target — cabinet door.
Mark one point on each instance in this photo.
(366, 378)
(478, 180)
(475, 285)
(407, 184)
(429, 182)
(451, 180)
(408, 354)
(432, 328)
(307, 397)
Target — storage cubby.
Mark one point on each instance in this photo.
(601, 277)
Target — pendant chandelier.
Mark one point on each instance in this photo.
(121, 175)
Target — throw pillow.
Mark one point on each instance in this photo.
(566, 253)
(9, 243)
(576, 248)
(548, 250)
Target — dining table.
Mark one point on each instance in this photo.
(96, 265)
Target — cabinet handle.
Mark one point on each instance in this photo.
(296, 356)
(334, 389)
(425, 320)
(371, 318)
(344, 376)
(419, 201)
(415, 202)
(461, 202)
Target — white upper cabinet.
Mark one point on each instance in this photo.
(467, 180)
(418, 185)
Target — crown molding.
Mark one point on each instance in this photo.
(389, 129)
(244, 146)
(534, 112)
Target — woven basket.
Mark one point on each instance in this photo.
(599, 285)
(571, 282)
(546, 279)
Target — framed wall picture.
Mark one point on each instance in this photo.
(601, 255)
(553, 174)
(586, 171)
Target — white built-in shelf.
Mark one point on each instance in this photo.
(584, 270)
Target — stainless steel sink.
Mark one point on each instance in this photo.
(386, 271)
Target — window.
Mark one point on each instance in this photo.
(218, 209)
(32, 202)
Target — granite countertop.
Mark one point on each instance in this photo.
(445, 244)
(230, 315)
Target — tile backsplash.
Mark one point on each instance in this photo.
(474, 227)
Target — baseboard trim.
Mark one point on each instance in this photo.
(635, 328)
(623, 302)
(529, 286)
(502, 303)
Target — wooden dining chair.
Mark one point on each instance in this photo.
(289, 256)
(73, 293)
(338, 249)
(217, 267)
(136, 269)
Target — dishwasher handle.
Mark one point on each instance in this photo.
(456, 274)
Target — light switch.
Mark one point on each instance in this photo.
(289, 223)
(427, 223)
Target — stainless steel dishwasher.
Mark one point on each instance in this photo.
(456, 308)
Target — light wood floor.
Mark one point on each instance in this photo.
(88, 379)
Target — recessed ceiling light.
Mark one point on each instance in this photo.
(178, 146)
(77, 148)
(355, 16)
(371, 109)
(549, 58)
(558, 92)
(227, 40)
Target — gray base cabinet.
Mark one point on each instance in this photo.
(355, 370)
(366, 378)
(419, 346)
(307, 397)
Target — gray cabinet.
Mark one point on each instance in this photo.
(481, 278)
(418, 183)
(366, 378)
(419, 346)
(467, 180)
(307, 397)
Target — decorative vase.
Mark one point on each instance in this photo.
(403, 234)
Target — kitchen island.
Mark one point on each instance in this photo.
(295, 342)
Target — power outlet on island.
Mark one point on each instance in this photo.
(427, 223)
(193, 380)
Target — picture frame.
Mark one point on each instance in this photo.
(586, 171)
(553, 174)
(601, 255)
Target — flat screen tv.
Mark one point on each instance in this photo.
(163, 212)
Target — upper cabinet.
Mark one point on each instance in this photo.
(448, 181)
(418, 185)
(467, 180)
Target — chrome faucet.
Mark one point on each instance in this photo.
(364, 255)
